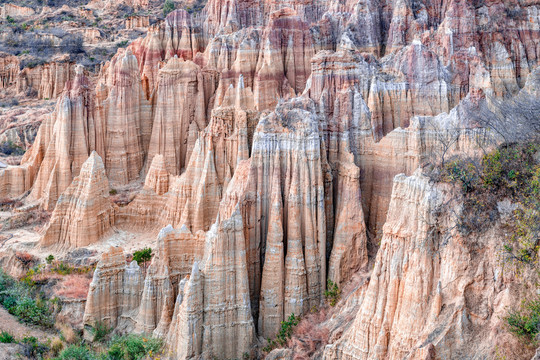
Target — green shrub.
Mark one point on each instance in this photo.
(28, 278)
(463, 171)
(77, 352)
(6, 338)
(113, 192)
(284, 334)
(525, 321)
(116, 352)
(32, 348)
(332, 293)
(49, 259)
(525, 243)
(6, 281)
(509, 168)
(32, 311)
(62, 268)
(133, 347)
(9, 148)
(142, 256)
(509, 171)
(168, 7)
(122, 43)
(24, 302)
(100, 331)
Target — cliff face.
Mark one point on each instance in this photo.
(179, 113)
(269, 135)
(125, 115)
(115, 291)
(63, 143)
(9, 68)
(83, 213)
(432, 293)
(47, 81)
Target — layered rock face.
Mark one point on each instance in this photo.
(125, 114)
(15, 11)
(225, 326)
(83, 213)
(145, 209)
(157, 178)
(9, 68)
(63, 143)
(180, 113)
(269, 135)
(115, 291)
(431, 293)
(47, 81)
(195, 196)
(133, 22)
(177, 251)
(285, 213)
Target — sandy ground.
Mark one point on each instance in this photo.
(10, 324)
(27, 239)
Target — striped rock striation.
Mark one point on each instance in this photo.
(269, 135)
(83, 213)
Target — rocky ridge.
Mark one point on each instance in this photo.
(269, 135)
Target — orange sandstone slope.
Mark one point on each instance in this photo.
(269, 135)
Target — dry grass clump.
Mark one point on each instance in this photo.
(74, 286)
(67, 332)
(309, 335)
(26, 259)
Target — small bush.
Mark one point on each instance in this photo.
(56, 347)
(113, 192)
(6, 338)
(463, 171)
(76, 352)
(23, 301)
(10, 102)
(168, 7)
(67, 333)
(332, 293)
(24, 258)
(49, 259)
(100, 330)
(9, 148)
(142, 256)
(525, 243)
(133, 347)
(72, 44)
(32, 348)
(28, 278)
(284, 334)
(309, 335)
(32, 311)
(122, 43)
(516, 13)
(525, 321)
(62, 268)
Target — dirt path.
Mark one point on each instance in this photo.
(10, 324)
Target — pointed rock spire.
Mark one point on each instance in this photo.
(83, 214)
